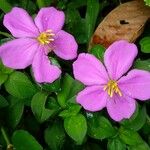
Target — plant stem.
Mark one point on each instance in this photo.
(5, 34)
(9, 145)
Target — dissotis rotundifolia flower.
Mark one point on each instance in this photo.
(35, 39)
(110, 87)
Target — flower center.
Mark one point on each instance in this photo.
(46, 37)
(112, 87)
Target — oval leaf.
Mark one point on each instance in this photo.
(55, 135)
(116, 144)
(99, 127)
(145, 45)
(18, 85)
(22, 140)
(76, 127)
(38, 107)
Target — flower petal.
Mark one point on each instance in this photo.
(89, 70)
(92, 98)
(18, 53)
(136, 84)
(20, 24)
(119, 57)
(43, 70)
(65, 45)
(121, 107)
(50, 18)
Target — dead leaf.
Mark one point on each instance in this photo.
(124, 22)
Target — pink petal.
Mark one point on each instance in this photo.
(92, 98)
(20, 24)
(65, 45)
(43, 70)
(89, 70)
(121, 107)
(50, 18)
(136, 84)
(18, 53)
(119, 57)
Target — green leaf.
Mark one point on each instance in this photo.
(72, 110)
(18, 85)
(15, 111)
(99, 127)
(143, 146)
(77, 4)
(115, 144)
(145, 45)
(136, 122)
(73, 19)
(3, 78)
(147, 2)
(142, 64)
(5, 6)
(69, 89)
(98, 51)
(52, 104)
(91, 16)
(4, 69)
(53, 87)
(3, 102)
(2, 41)
(4, 72)
(43, 3)
(76, 127)
(55, 136)
(38, 107)
(22, 140)
(129, 137)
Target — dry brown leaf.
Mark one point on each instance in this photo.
(124, 22)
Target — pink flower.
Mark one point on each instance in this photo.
(35, 39)
(112, 88)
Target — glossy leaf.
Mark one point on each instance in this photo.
(91, 16)
(116, 144)
(3, 102)
(76, 127)
(98, 51)
(23, 140)
(147, 2)
(143, 146)
(18, 85)
(55, 136)
(129, 137)
(137, 122)
(15, 111)
(53, 87)
(72, 110)
(69, 89)
(145, 45)
(38, 107)
(99, 127)
(142, 64)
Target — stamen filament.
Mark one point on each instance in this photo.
(46, 37)
(112, 87)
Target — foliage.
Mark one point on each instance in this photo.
(46, 116)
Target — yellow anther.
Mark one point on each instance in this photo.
(46, 37)
(112, 87)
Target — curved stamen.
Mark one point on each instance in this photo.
(112, 87)
(46, 37)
